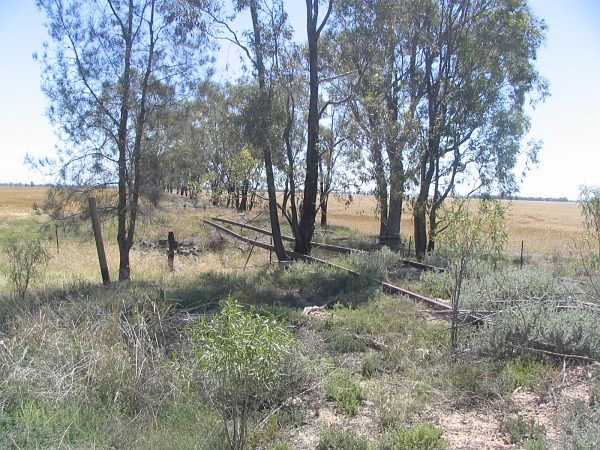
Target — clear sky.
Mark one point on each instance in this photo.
(568, 122)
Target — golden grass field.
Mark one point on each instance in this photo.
(545, 227)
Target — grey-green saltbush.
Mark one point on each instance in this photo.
(539, 324)
(490, 290)
(375, 264)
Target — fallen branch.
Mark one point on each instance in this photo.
(556, 354)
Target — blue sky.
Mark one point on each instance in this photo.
(568, 122)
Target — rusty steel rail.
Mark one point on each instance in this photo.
(388, 287)
(333, 248)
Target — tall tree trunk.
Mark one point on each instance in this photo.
(124, 268)
(139, 135)
(306, 227)
(381, 185)
(265, 101)
(432, 225)
(391, 232)
(244, 202)
(324, 200)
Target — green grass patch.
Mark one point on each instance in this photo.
(334, 438)
(345, 392)
(423, 436)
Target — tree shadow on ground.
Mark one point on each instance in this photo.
(297, 288)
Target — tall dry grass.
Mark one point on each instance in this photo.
(545, 227)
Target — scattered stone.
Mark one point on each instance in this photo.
(314, 311)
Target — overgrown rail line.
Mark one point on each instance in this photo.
(329, 247)
(388, 287)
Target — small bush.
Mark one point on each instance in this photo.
(581, 424)
(474, 383)
(371, 365)
(345, 392)
(534, 444)
(518, 430)
(495, 289)
(437, 284)
(376, 264)
(423, 436)
(26, 255)
(347, 343)
(243, 358)
(340, 439)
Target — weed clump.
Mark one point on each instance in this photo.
(423, 436)
(345, 392)
(519, 430)
(581, 422)
(339, 439)
(540, 326)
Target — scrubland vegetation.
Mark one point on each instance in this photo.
(218, 356)
(413, 103)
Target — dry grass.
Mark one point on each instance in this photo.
(20, 199)
(546, 227)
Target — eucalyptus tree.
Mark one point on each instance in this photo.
(258, 46)
(104, 71)
(315, 23)
(381, 45)
(479, 72)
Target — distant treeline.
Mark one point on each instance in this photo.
(31, 184)
(532, 199)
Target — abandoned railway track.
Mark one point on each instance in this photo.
(386, 286)
(328, 247)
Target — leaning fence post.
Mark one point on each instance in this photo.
(171, 252)
(99, 242)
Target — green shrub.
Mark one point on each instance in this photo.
(347, 343)
(26, 254)
(423, 436)
(243, 358)
(534, 444)
(377, 264)
(371, 365)
(345, 392)
(517, 430)
(437, 284)
(339, 439)
(497, 289)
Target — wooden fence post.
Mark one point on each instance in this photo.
(99, 242)
(522, 244)
(171, 252)
(409, 245)
(56, 234)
